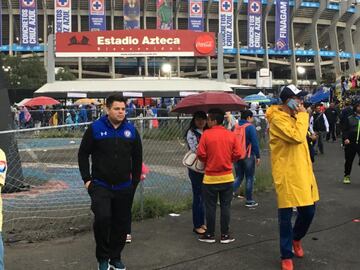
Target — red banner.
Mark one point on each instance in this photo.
(135, 43)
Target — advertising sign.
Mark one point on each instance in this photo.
(226, 23)
(164, 14)
(282, 25)
(254, 24)
(196, 15)
(131, 14)
(29, 24)
(135, 43)
(62, 16)
(97, 18)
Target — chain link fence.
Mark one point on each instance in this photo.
(50, 199)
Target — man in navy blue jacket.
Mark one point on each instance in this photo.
(246, 167)
(116, 159)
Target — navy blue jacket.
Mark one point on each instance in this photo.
(251, 138)
(116, 154)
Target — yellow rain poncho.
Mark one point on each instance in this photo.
(292, 170)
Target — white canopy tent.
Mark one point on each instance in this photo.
(134, 87)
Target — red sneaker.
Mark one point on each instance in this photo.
(298, 250)
(287, 264)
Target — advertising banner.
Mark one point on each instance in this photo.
(226, 23)
(135, 43)
(254, 24)
(62, 16)
(29, 23)
(196, 15)
(131, 14)
(97, 18)
(164, 14)
(282, 20)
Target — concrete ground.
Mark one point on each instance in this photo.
(168, 243)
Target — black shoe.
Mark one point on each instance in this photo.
(207, 238)
(116, 265)
(226, 239)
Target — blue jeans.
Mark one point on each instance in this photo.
(245, 167)
(198, 200)
(1, 252)
(305, 215)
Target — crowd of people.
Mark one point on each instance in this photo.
(222, 144)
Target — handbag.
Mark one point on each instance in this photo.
(191, 161)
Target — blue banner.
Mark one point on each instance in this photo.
(131, 10)
(196, 15)
(62, 16)
(226, 23)
(97, 18)
(29, 23)
(282, 20)
(254, 24)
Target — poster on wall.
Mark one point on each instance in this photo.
(62, 16)
(164, 14)
(254, 24)
(28, 22)
(196, 15)
(97, 18)
(131, 14)
(282, 25)
(226, 23)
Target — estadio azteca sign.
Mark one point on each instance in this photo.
(135, 43)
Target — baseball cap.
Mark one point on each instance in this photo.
(291, 91)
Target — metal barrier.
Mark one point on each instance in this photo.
(53, 201)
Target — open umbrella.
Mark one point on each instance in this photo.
(86, 101)
(39, 101)
(208, 100)
(257, 98)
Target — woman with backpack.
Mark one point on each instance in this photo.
(193, 135)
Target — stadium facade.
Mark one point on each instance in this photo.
(324, 38)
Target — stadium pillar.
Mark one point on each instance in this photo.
(208, 58)
(293, 56)
(349, 47)
(356, 36)
(335, 47)
(51, 59)
(79, 30)
(316, 48)
(45, 30)
(265, 35)
(237, 40)
(112, 59)
(220, 59)
(144, 27)
(177, 10)
(11, 28)
(8, 142)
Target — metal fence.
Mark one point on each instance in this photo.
(51, 200)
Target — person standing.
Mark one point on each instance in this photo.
(332, 116)
(3, 169)
(351, 136)
(116, 153)
(292, 171)
(193, 135)
(319, 125)
(218, 149)
(246, 167)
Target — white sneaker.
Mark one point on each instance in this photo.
(128, 238)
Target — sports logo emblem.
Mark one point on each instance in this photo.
(127, 133)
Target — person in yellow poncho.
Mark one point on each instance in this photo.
(3, 167)
(292, 171)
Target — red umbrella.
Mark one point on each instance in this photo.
(208, 100)
(38, 101)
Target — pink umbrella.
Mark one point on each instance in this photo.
(208, 100)
(38, 101)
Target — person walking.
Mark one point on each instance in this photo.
(218, 149)
(292, 171)
(319, 125)
(116, 153)
(3, 169)
(332, 116)
(351, 136)
(246, 167)
(193, 135)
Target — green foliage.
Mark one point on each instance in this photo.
(155, 206)
(24, 73)
(64, 74)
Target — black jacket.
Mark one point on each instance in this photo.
(350, 131)
(331, 115)
(116, 154)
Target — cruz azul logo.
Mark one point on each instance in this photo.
(226, 6)
(28, 3)
(127, 133)
(255, 8)
(97, 7)
(62, 3)
(196, 9)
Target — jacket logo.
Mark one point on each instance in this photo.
(103, 133)
(2, 166)
(127, 133)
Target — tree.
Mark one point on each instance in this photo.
(64, 74)
(23, 73)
